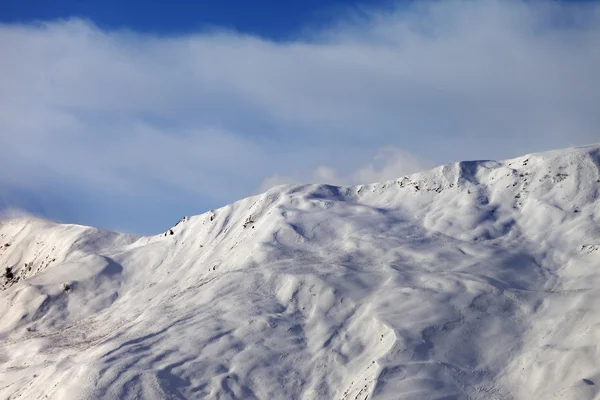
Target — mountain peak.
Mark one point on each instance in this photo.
(471, 280)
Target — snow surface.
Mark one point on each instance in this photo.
(475, 280)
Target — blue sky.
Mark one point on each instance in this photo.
(273, 19)
(130, 116)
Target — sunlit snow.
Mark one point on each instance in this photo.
(475, 280)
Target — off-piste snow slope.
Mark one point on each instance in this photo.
(475, 280)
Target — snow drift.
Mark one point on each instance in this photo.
(475, 280)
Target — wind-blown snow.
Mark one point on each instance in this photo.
(476, 280)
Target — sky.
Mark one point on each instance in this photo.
(130, 115)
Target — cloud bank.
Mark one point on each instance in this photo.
(388, 164)
(131, 131)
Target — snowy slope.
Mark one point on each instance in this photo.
(475, 280)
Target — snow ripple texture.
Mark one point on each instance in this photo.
(475, 280)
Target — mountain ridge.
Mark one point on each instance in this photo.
(457, 282)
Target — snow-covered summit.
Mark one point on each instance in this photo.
(472, 280)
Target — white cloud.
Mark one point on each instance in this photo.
(389, 163)
(210, 116)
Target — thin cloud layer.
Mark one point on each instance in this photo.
(176, 125)
(388, 164)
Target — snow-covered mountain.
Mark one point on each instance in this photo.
(475, 280)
